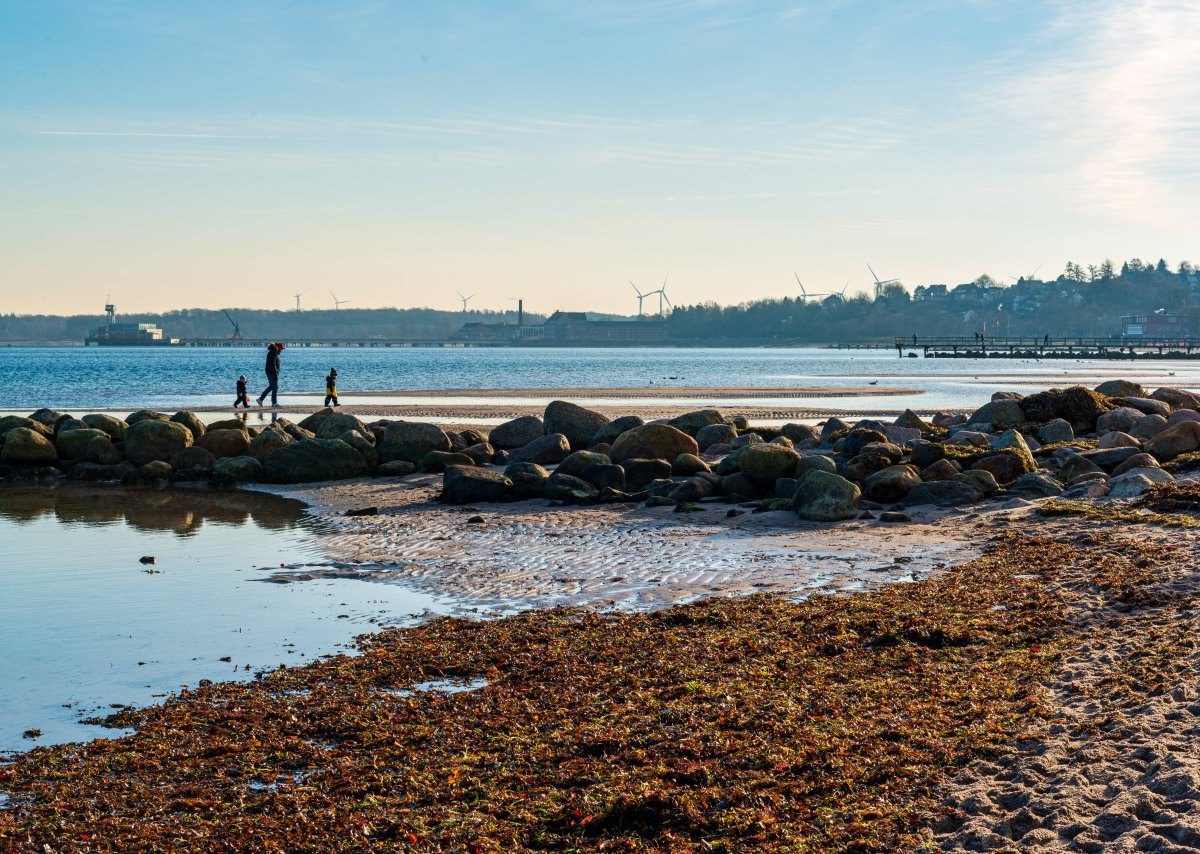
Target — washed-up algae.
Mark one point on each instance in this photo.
(730, 724)
(1113, 513)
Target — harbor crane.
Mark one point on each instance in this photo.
(237, 329)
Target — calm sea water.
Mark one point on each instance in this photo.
(164, 378)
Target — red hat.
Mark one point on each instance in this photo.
(279, 345)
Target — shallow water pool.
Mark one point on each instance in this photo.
(84, 624)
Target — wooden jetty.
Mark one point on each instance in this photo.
(1047, 347)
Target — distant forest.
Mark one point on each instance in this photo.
(1083, 300)
(360, 323)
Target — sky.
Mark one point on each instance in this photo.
(233, 154)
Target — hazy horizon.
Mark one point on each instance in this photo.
(171, 156)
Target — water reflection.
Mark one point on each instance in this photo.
(183, 513)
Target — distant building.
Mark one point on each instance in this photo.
(1159, 325)
(497, 333)
(931, 293)
(579, 327)
(113, 334)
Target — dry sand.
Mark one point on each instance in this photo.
(654, 391)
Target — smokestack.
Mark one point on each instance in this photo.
(520, 312)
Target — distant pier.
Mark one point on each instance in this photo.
(1047, 347)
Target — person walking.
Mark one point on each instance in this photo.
(331, 387)
(272, 371)
(243, 398)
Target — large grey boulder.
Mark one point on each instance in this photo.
(545, 450)
(310, 460)
(313, 422)
(144, 415)
(73, 444)
(225, 442)
(1148, 406)
(653, 441)
(715, 434)
(411, 440)
(824, 497)
(641, 472)
(1177, 398)
(766, 463)
(268, 442)
(1120, 388)
(578, 461)
(189, 420)
(1180, 438)
(338, 423)
(45, 417)
(26, 447)
(891, 484)
(150, 439)
(528, 479)
(471, 485)
(113, 426)
(1148, 426)
(1001, 414)
(102, 450)
(1058, 430)
(1037, 485)
(238, 470)
(363, 445)
(610, 431)
(693, 422)
(1121, 420)
(942, 493)
(578, 424)
(570, 489)
(12, 422)
(516, 433)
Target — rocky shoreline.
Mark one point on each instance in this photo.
(1114, 441)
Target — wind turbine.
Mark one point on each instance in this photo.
(879, 286)
(662, 297)
(338, 303)
(302, 293)
(1031, 276)
(640, 297)
(805, 296)
(465, 300)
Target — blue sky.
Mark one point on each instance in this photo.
(231, 154)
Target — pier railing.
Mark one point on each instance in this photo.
(1048, 347)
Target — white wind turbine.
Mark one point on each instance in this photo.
(338, 303)
(879, 285)
(302, 293)
(465, 300)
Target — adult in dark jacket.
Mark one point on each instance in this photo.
(272, 369)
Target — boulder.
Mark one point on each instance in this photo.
(24, 446)
(653, 441)
(800, 434)
(1005, 468)
(570, 489)
(268, 442)
(334, 425)
(528, 479)
(102, 472)
(545, 450)
(1117, 439)
(1086, 491)
(693, 422)
(296, 431)
(481, 452)
(114, 427)
(832, 427)
(1012, 440)
(942, 493)
(939, 470)
(150, 439)
(1181, 438)
(1056, 431)
(517, 433)
(1152, 473)
(189, 420)
(979, 479)
(73, 444)
(1120, 388)
(813, 462)
(688, 464)
(575, 463)
(610, 431)
(890, 484)
(1078, 405)
(395, 468)
(911, 420)
(1120, 419)
(1148, 426)
(1136, 461)
(715, 434)
(1037, 485)
(45, 417)
(859, 438)
(68, 423)
(411, 440)
(1129, 486)
(692, 489)
(241, 469)
(578, 424)
(1072, 466)
(363, 445)
(1177, 398)
(225, 442)
(311, 460)
(1007, 395)
(1147, 405)
(604, 476)
(1109, 458)
(191, 458)
(745, 440)
(924, 454)
(313, 422)
(824, 497)
(144, 415)
(1183, 415)
(436, 462)
(1000, 413)
(741, 488)
(767, 463)
(640, 472)
(472, 485)
(151, 472)
(12, 422)
(102, 451)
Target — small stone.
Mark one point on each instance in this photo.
(475, 520)
(363, 511)
(894, 516)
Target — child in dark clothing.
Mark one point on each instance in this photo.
(242, 397)
(331, 387)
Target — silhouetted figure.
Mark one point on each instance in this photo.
(331, 387)
(272, 371)
(243, 398)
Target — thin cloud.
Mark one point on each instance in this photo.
(142, 134)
